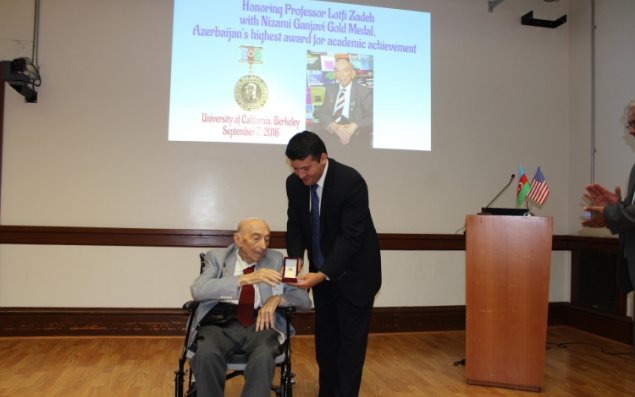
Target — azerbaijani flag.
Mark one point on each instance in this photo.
(523, 187)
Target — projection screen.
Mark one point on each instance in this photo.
(258, 72)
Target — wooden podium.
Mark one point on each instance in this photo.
(508, 260)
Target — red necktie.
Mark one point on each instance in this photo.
(246, 302)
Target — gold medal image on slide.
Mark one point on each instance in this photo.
(251, 92)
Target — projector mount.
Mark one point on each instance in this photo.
(528, 19)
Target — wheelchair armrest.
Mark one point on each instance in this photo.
(191, 306)
(286, 310)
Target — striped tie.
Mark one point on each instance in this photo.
(339, 105)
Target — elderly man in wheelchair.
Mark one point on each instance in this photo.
(238, 293)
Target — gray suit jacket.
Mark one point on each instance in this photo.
(620, 219)
(360, 112)
(218, 283)
(360, 107)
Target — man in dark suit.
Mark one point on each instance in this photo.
(607, 209)
(344, 259)
(352, 121)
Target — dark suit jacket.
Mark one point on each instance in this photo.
(348, 237)
(620, 219)
(360, 112)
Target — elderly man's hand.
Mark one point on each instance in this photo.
(597, 217)
(267, 313)
(598, 195)
(262, 275)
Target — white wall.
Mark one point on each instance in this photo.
(94, 150)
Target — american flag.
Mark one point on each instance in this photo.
(539, 188)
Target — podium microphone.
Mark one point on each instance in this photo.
(501, 192)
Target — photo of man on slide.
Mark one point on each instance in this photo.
(345, 113)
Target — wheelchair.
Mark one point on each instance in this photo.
(237, 362)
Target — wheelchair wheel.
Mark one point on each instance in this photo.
(286, 386)
(284, 391)
(191, 391)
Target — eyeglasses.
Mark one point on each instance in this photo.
(630, 124)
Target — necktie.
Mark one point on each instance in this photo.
(317, 257)
(246, 302)
(339, 105)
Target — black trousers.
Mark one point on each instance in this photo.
(341, 337)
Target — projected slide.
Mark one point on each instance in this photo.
(246, 71)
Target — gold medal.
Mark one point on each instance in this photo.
(251, 92)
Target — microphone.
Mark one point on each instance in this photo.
(501, 192)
